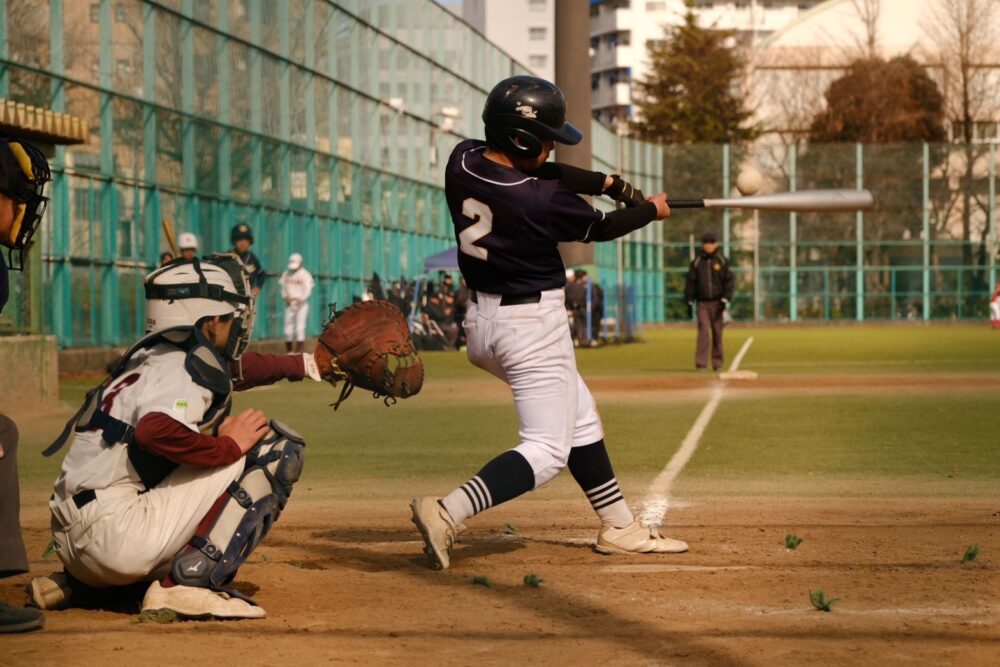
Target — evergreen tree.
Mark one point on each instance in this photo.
(693, 93)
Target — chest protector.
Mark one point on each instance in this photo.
(205, 366)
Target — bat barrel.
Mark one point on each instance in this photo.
(803, 200)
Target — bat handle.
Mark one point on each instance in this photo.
(686, 203)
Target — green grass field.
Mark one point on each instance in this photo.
(801, 436)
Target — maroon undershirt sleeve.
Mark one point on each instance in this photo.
(161, 434)
(262, 369)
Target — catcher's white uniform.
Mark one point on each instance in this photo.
(124, 534)
(296, 287)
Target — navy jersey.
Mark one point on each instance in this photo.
(254, 268)
(508, 224)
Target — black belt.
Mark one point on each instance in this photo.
(82, 498)
(514, 299)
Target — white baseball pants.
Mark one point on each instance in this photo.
(529, 347)
(295, 321)
(123, 537)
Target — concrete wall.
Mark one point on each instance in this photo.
(29, 373)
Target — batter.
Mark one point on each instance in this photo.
(510, 210)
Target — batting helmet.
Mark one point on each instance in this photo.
(522, 111)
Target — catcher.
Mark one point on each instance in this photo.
(160, 484)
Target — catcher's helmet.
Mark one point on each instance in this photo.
(24, 171)
(184, 291)
(529, 110)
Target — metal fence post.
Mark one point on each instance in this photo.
(927, 231)
(992, 259)
(859, 278)
(726, 250)
(793, 275)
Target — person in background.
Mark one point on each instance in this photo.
(443, 315)
(188, 245)
(576, 302)
(296, 287)
(709, 285)
(995, 308)
(166, 258)
(242, 238)
(24, 172)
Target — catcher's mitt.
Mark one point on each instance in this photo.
(368, 345)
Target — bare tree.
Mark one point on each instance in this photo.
(868, 11)
(965, 33)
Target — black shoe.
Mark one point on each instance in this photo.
(700, 368)
(20, 619)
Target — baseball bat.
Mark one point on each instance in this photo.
(803, 200)
(168, 231)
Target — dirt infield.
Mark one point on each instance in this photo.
(344, 582)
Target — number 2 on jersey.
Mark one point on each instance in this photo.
(482, 216)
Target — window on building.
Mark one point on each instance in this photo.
(595, 43)
(595, 81)
(538, 60)
(537, 34)
(95, 13)
(595, 10)
(537, 5)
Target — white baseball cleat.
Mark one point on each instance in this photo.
(636, 538)
(198, 603)
(51, 593)
(437, 528)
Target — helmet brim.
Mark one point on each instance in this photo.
(567, 134)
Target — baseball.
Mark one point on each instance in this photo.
(748, 182)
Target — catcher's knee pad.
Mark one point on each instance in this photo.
(251, 506)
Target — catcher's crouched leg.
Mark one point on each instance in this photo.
(244, 514)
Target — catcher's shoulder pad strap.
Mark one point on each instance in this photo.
(202, 362)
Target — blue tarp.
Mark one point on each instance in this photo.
(443, 261)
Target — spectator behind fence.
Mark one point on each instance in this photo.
(576, 306)
(995, 308)
(296, 287)
(710, 284)
(444, 316)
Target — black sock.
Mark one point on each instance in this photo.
(505, 477)
(591, 468)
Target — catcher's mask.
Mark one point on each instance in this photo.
(185, 291)
(24, 172)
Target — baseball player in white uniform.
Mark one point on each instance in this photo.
(510, 213)
(160, 484)
(296, 287)
(995, 308)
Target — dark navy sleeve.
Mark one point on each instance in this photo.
(258, 277)
(4, 288)
(569, 217)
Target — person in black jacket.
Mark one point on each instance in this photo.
(710, 284)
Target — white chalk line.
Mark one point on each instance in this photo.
(657, 498)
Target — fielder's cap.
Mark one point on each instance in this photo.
(242, 231)
(187, 240)
(709, 237)
(294, 261)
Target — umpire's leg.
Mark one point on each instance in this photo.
(13, 559)
(704, 329)
(718, 315)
